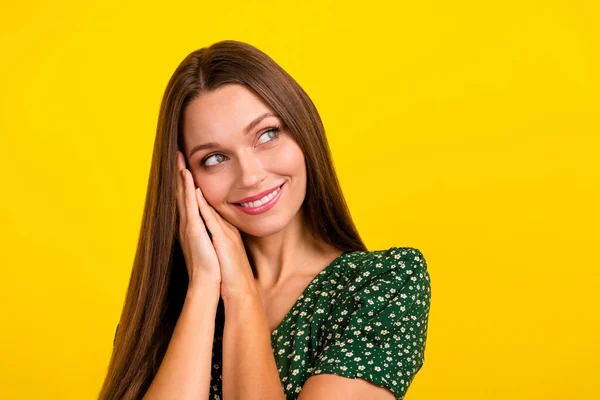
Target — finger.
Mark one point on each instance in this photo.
(208, 213)
(230, 228)
(228, 224)
(180, 160)
(185, 189)
(180, 183)
(191, 204)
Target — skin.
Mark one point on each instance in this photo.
(284, 253)
(245, 164)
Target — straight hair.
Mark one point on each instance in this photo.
(159, 278)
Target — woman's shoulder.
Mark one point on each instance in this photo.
(380, 315)
(405, 260)
(366, 273)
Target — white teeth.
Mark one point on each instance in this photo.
(263, 200)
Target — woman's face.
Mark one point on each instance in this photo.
(246, 153)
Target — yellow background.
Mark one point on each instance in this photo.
(466, 129)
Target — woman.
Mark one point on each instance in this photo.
(250, 279)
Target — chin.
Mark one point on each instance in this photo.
(262, 228)
(259, 226)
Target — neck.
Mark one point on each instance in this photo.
(277, 257)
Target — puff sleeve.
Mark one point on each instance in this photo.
(378, 329)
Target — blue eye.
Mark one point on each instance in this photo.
(271, 133)
(209, 157)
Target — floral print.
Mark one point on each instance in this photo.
(365, 316)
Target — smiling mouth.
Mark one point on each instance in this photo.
(240, 204)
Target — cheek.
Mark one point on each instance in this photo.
(215, 190)
(290, 160)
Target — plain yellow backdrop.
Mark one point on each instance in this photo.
(466, 129)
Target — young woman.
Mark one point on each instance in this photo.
(250, 280)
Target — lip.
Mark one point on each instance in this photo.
(257, 196)
(263, 207)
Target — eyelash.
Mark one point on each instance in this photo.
(273, 128)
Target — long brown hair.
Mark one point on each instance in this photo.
(159, 279)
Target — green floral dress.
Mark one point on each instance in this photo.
(363, 316)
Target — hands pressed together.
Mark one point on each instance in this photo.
(223, 259)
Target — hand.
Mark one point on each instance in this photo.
(237, 279)
(200, 256)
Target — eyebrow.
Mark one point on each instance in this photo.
(247, 130)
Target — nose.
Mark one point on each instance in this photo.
(252, 172)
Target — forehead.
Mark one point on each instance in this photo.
(225, 111)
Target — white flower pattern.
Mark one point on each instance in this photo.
(368, 320)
